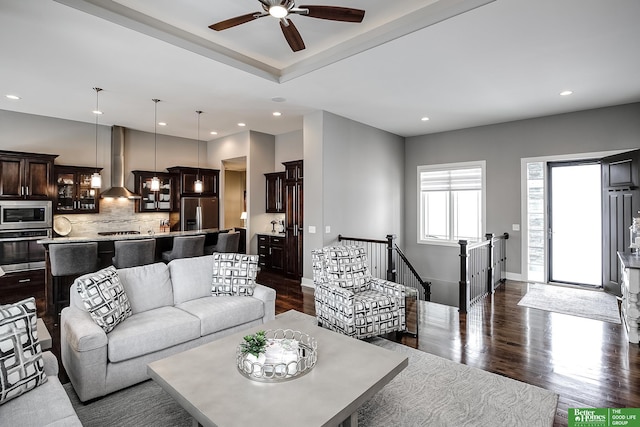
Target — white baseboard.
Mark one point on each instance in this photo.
(308, 283)
(517, 277)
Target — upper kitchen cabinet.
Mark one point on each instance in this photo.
(163, 200)
(187, 177)
(74, 192)
(26, 175)
(274, 202)
(294, 170)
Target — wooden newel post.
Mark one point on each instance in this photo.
(491, 257)
(463, 300)
(391, 265)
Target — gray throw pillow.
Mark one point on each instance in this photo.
(21, 364)
(104, 298)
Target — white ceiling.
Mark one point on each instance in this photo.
(502, 61)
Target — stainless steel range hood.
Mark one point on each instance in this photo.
(118, 190)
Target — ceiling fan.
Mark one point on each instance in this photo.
(281, 9)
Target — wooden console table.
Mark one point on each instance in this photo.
(630, 286)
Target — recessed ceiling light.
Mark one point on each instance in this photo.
(278, 99)
(162, 123)
(242, 124)
(97, 112)
(14, 97)
(425, 119)
(277, 113)
(566, 92)
(213, 132)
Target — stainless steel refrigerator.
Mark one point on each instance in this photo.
(197, 213)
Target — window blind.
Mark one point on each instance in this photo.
(451, 180)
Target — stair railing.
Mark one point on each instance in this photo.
(386, 261)
(482, 269)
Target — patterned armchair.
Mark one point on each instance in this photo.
(349, 300)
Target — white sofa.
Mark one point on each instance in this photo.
(173, 310)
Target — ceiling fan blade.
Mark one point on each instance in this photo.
(228, 23)
(292, 35)
(334, 13)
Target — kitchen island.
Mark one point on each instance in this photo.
(106, 251)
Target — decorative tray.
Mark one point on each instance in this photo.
(288, 355)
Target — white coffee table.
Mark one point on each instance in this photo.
(206, 382)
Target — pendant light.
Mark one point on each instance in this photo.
(155, 181)
(96, 178)
(197, 185)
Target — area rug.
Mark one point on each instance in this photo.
(587, 303)
(431, 391)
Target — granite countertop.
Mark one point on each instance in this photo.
(98, 238)
(629, 260)
(269, 233)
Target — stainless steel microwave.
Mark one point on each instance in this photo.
(25, 214)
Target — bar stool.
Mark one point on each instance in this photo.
(70, 259)
(227, 242)
(131, 253)
(185, 247)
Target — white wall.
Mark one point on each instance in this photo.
(289, 147)
(74, 142)
(354, 175)
(502, 146)
(260, 161)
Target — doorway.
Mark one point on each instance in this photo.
(575, 222)
(234, 184)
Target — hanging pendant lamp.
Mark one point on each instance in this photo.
(96, 178)
(197, 185)
(155, 181)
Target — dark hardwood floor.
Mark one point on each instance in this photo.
(588, 363)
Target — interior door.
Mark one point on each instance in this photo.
(575, 223)
(620, 203)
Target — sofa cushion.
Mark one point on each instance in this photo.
(191, 278)
(104, 297)
(21, 364)
(234, 274)
(150, 331)
(147, 286)
(219, 313)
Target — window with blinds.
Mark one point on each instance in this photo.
(451, 202)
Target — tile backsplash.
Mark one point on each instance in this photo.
(115, 215)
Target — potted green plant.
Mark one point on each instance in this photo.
(253, 348)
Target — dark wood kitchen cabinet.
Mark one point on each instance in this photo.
(271, 252)
(73, 190)
(274, 202)
(164, 200)
(187, 177)
(26, 175)
(294, 219)
(16, 286)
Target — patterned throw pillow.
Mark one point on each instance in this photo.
(104, 298)
(21, 365)
(234, 274)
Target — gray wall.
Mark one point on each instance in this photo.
(353, 181)
(502, 146)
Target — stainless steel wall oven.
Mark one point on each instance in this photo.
(22, 224)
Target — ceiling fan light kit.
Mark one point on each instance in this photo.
(282, 9)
